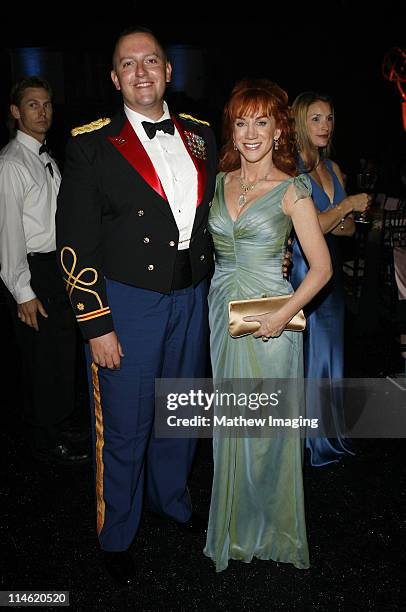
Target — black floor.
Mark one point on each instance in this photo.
(355, 518)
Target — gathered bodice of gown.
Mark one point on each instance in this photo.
(249, 251)
(249, 254)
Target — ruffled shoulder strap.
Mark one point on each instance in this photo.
(219, 177)
(303, 187)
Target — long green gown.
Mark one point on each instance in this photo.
(257, 504)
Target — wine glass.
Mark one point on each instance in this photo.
(366, 182)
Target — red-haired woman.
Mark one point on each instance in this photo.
(257, 496)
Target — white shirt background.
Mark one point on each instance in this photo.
(27, 211)
(175, 169)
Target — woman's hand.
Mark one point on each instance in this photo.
(360, 202)
(270, 326)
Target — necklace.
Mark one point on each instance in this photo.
(245, 188)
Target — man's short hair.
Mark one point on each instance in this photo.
(18, 89)
(17, 93)
(137, 30)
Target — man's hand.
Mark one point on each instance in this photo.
(287, 259)
(27, 312)
(106, 351)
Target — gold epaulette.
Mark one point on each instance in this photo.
(90, 127)
(185, 116)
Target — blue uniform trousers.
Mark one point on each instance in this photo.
(162, 336)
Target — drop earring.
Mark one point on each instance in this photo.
(276, 143)
(234, 146)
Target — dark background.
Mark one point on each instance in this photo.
(336, 47)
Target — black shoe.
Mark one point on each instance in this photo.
(120, 566)
(62, 454)
(74, 435)
(194, 525)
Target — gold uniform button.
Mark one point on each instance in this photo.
(150, 267)
(201, 257)
(172, 243)
(146, 240)
(140, 213)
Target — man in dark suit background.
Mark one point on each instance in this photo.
(135, 254)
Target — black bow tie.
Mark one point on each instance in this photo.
(152, 128)
(51, 170)
(43, 149)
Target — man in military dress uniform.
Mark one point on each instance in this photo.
(135, 255)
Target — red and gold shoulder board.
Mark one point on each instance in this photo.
(90, 127)
(191, 118)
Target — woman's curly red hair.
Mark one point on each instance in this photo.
(262, 98)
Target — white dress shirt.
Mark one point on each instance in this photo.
(175, 169)
(27, 211)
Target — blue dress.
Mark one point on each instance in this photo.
(324, 337)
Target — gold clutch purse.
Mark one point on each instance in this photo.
(239, 309)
